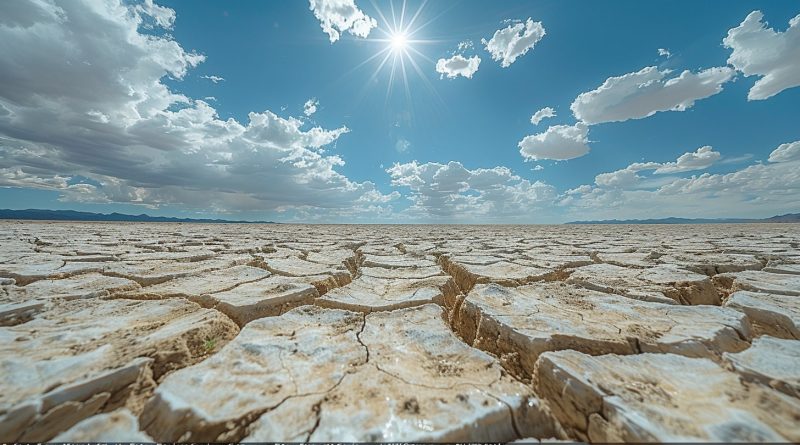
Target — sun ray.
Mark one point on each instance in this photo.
(402, 17)
(414, 17)
(405, 76)
(436, 17)
(394, 17)
(400, 39)
(421, 55)
(371, 58)
(382, 17)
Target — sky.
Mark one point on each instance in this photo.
(358, 111)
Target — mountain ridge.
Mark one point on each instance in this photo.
(786, 218)
(74, 215)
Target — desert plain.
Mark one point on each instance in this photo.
(216, 332)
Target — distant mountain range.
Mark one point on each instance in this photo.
(787, 218)
(72, 215)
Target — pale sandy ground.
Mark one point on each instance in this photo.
(183, 332)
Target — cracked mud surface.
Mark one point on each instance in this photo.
(183, 332)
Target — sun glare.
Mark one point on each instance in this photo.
(399, 51)
(398, 41)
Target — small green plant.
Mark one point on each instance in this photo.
(210, 343)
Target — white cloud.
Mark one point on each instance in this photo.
(215, 79)
(786, 152)
(339, 16)
(458, 65)
(402, 145)
(310, 107)
(542, 114)
(760, 51)
(646, 92)
(537, 167)
(450, 192)
(514, 41)
(617, 179)
(163, 17)
(758, 190)
(558, 142)
(701, 159)
(627, 177)
(465, 45)
(664, 53)
(115, 122)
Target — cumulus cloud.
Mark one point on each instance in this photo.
(758, 190)
(617, 179)
(513, 41)
(71, 106)
(786, 152)
(458, 65)
(628, 177)
(702, 158)
(760, 51)
(310, 107)
(163, 17)
(339, 16)
(558, 142)
(542, 114)
(663, 52)
(215, 79)
(452, 192)
(646, 92)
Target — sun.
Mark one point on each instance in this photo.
(398, 49)
(398, 41)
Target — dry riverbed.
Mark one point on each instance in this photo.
(202, 332)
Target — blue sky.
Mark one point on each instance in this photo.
(146, 108)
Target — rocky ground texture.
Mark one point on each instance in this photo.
(190, 332)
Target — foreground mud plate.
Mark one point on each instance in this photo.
(661, 398)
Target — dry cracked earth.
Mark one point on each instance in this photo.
(181, 332)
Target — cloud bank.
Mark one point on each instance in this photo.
(83, 96)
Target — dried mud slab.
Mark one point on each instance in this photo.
(263, 298)
(12, 314)
(305, 351)
(397, 261)
(401, 272)
(770, 361)
(793, 269)
(518, 324)
(89, 285)
(207, 283)
(28, 269)
(758, 281)
(368, 294)
(64, 366)
(661, 398)
(419, 384)
(660, 283)
(487, 270)
(117, 426)
(157, 271)
(712, 263)
(770, 314)
(297, 267)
